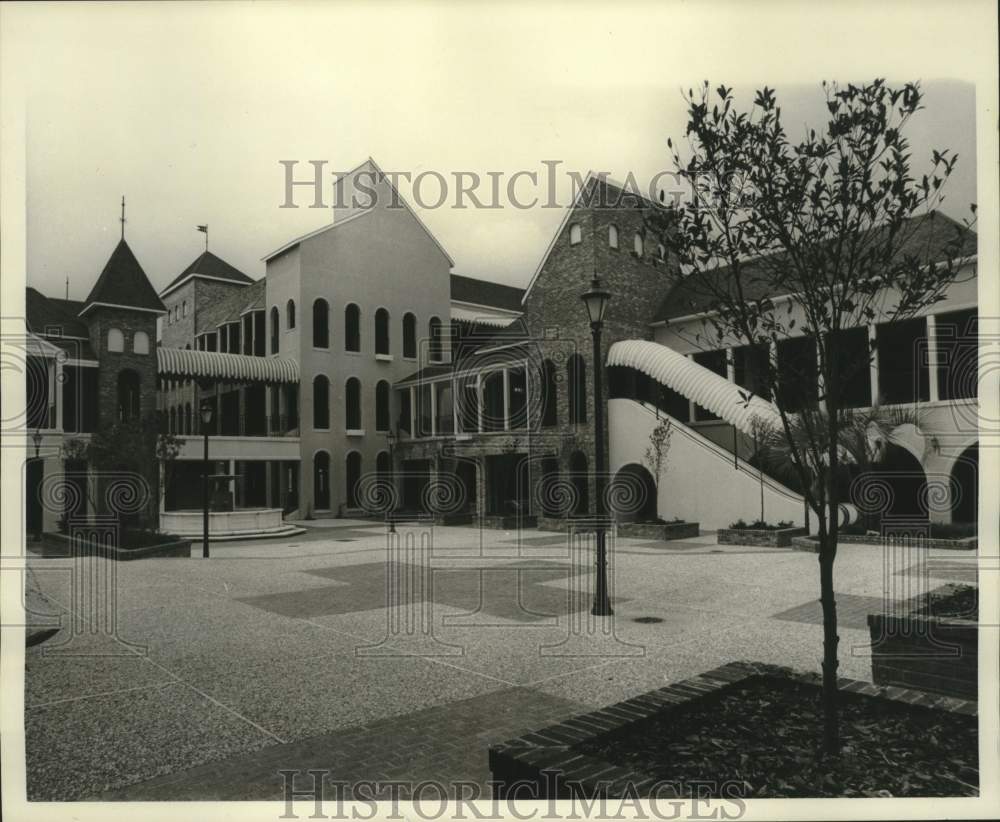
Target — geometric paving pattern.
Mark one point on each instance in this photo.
(852, 611)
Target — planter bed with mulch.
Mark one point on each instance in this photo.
(934, 648)
(140, 546)
(775, 537)
(812, 543)
(659, 530)
(750, 730)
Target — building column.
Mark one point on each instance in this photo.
(59, 384)
(161, 489)
(479, 402)
(434, 415)
(873, 367)
(231, 470)
(730, 366)
(269, 424)
(933, 357)
(506, 399)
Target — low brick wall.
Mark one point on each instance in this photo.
(775, 537)
(658, 530)
(60, 545)
(812, 543)
(544, 765)
(930, 653)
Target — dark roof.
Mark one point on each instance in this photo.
(484, 292)
(693, 294)
(208, 265)
(123, 282)
(44, 312)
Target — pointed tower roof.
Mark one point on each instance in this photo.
(123, 284)
(212, 267)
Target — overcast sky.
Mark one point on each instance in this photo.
(187, 110)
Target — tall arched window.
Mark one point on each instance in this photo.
(352, 404)
(434, 326)
(381, 331)
(321, 324)
(576, 376)
(321, 481)
(290, 314)
(409, 335)
(353, 478)
(575, 234)
(352, 328)
(275, 320)
(383, 465)
(637, 244)
(321, 402)
(661, 252)
(613, 236)
(140, 342)
(116, 340)
(550, 409)
(382, 416)
(128, 395)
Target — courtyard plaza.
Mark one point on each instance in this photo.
(398, 658)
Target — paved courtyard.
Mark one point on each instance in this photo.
(396, 661)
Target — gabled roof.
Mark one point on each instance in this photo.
(693, 294)
(483, 292)
(44, 312)
(123, 283)
(398, 198)
(208, 265)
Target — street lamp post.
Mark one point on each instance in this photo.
(390, 440)
(206, 421)
(36, 438)
(596, 300)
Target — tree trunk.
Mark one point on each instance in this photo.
(831, 718)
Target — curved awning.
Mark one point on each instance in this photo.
(699, 384)
(212, 365)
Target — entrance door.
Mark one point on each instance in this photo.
(321, 481)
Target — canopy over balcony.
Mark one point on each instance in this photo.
(212, 365)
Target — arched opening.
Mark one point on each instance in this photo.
(613, 236)
(128, 395)
(580, 477)
(550, 396)
(290, 314)
(321, 402)
(434, 327)
(575, 234)
(321, 324)
(382, 415)
(352, 404)
(965, 486)
(383, 466)
(321, 481)
(116, 340)
(275, 319)
(637, 244)
(352, 328)
(140, 342)
(353, 478)
(633, 494)
(898, 486)
(382, 331)
(576, 376)
(409, 335)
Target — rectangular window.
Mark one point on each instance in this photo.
(518, 386)
(902, 362)
(958, 354)
(853, 368)
(493, 405)
(468, 410)
(445, 407)
(797, 373)
(424, 411)
(750, 366)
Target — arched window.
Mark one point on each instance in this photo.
(661, 252)
(576, 376)
(184, 308)
(409, 335)
(352, 404)
(353, 478)
(290, 314)
(187, 418)
(434, 326)
(275, 319)
(580, 477)
(128, 395)
(637, 244)
(140, 342)
(575, 234)
(116, 340)
(550, 410)
(352, 328)
(613, 236)
(381, 331)
(321, 402)
(321, 481)
(321, 324)
(382, 416)
(383, 465)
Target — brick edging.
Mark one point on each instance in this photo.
(811, 544)
(545, 760)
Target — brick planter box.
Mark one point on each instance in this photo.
(935, 654)
(806, 543)
(545, 765)
(775, 537)
(60, 545)
(658, 530)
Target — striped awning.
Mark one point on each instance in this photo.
(212, 365)
(699, 384)
(483, 316)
